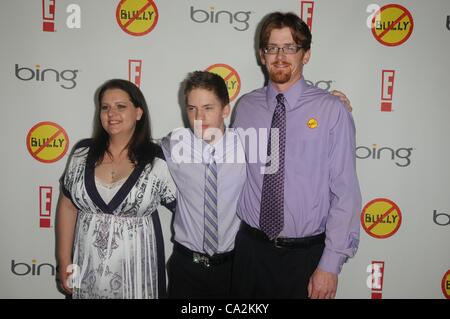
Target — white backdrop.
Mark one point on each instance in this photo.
(402, 153)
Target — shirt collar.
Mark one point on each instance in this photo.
(292, 95)
(206, 148)
(200, 151)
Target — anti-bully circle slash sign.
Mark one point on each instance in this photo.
(47, 142)
(230, 76)
(381, 218)
(446, 284)
(392, 25)
(137, 17)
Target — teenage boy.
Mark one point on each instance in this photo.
(207, 164)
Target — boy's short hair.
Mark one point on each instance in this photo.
(208, 81)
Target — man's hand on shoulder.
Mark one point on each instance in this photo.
(343, 99)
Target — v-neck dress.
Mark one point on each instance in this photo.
(118, 247)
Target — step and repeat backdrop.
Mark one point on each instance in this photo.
(390, 58)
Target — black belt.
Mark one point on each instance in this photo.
(284, 242)
(204, 259)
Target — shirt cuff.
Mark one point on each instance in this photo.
(331, 261)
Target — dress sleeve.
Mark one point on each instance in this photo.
(72, 171)
(62, 185)
(67, 179)
(168, 189)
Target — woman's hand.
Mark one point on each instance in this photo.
(65, 278)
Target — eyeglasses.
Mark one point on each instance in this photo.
(288, 49)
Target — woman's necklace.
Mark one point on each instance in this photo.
(113, 173)
(115, 168)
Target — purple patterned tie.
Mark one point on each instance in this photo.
(271, 219)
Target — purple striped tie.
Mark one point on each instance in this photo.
(211, 232)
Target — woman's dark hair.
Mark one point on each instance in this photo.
(141, 149)
(278, 20)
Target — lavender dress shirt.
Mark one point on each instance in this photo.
(321, 190)
(187, 156)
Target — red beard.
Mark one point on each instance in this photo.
(280, 76)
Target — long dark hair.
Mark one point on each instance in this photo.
(141, 149)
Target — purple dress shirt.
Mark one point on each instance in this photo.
(186, 157)
(321, 190)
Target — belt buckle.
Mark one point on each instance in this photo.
(199, 259)
(275, 242)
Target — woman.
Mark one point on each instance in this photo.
(107, 218)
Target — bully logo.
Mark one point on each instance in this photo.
(446, 284)
(392, 25)
(381, 218)
(312, 123)
(137, 17)
(47, 142)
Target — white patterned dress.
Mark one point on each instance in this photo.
(118, 246)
